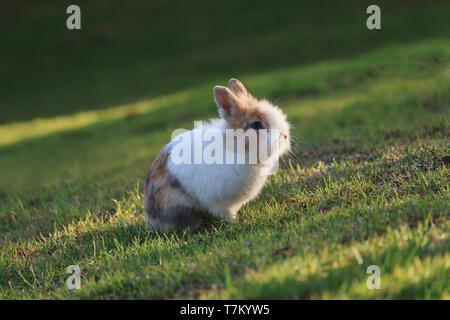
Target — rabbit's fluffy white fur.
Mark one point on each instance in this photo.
(178, 195)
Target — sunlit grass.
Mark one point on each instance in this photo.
(370, 175)
(17, 132)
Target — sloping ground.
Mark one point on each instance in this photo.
(368, 185)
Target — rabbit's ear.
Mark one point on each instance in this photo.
(237, 87)
(226, 100)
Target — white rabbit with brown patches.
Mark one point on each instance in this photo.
(178, 195)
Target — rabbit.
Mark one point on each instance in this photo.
(179, 195)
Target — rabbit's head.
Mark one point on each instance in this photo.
(241, 110)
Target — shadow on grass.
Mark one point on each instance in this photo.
(155, 48)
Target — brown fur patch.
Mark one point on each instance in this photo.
(159, 167)
(255, 114)
(168, 206)
(242, 118)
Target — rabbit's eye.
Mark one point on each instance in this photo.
(256, 125)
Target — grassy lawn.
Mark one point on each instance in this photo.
(84, 113)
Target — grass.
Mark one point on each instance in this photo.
(369, 184)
